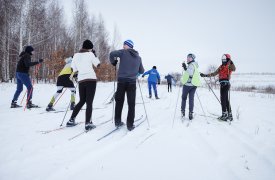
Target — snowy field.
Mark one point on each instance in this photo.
(206, 149)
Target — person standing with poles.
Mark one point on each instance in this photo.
(64, 80)
(224, 71)
(83, 63)
(190, 81)
(169, 79)
(129, 67)
(23, 77)
(153, 79)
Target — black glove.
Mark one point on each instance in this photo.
(115, 62)
(93, 51)
(203, 75)
(184, 66)
(158, 82)
(40, 60)
(142, 76)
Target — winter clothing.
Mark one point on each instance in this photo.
(63, 81)
(190, 81)
(169, 81)
(83, 62)
(130, 64)
(129, 43)
(130, 89)
(224, 71)
(22, 78)
(25, 63)
(86, 93)
(153, 79)
(87, 44)
(29, 50)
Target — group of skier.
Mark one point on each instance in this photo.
(81, 67)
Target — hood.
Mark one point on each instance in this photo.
(133, 52)
(68, 60)
(24, 54)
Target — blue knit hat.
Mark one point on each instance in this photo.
(129, 43)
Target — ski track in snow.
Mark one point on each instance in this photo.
(215, 150)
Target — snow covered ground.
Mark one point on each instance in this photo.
(206, 149)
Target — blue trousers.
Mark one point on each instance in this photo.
(185, 91)
(150, 84)
(23, 78)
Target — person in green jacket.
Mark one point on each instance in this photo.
(190, 81)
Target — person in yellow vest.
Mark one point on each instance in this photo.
(63, 81)
(190, 81)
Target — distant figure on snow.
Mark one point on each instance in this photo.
(153, 79)
(169, 79)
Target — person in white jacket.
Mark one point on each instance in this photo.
(83, 63)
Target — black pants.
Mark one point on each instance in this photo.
(170, 86)
(225, 87)
(86, 94)
(130, 89)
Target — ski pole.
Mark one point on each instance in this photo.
(23, 98)
(67, 110)
(28, 98)
(177, 101)
(212, 90)
(113, 116)
(202, 108)
(143, 105)
(59, 97)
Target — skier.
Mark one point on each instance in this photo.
(169, 79)
(83, 63)
(153, 79)
(190, 81)
(224, 71)
(22, 77)
(63, 80)
(129, 67)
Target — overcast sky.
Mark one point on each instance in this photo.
(164, 32)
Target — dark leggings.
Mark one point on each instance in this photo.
(86, 94)
(170, 87)
(185, 91)
(225, 87)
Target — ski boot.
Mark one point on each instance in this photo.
(191, 116)
(50, 107)
(72, 105)
(89, 126)
(119, 124)
(130, 128)
(230, 117)
(31, 105)
(14, 104)
(223, 117)
(71, 122)
(157, 97)
(182, 114)
(150, 96)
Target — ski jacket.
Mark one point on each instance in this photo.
(83, 62)
(224, 71)
(153, 75)
(130, 64)
(169, 78)
(25, 63)
(67, 68)
(191, 76)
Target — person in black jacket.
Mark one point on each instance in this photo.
(22, 76)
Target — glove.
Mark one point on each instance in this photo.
(203, 75)
(93, 51)
(115, 62)
(158, 82)
(40, 60)
(184, 66)
(142, 76)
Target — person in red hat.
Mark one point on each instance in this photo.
(224, 71)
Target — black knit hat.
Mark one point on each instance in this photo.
(87, 44)
(29, 49)
(154, 67)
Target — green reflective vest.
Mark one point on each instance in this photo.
(195, 79)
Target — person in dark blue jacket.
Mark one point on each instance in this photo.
(169, 81)
(153, 79)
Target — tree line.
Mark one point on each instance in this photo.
(41, 23)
